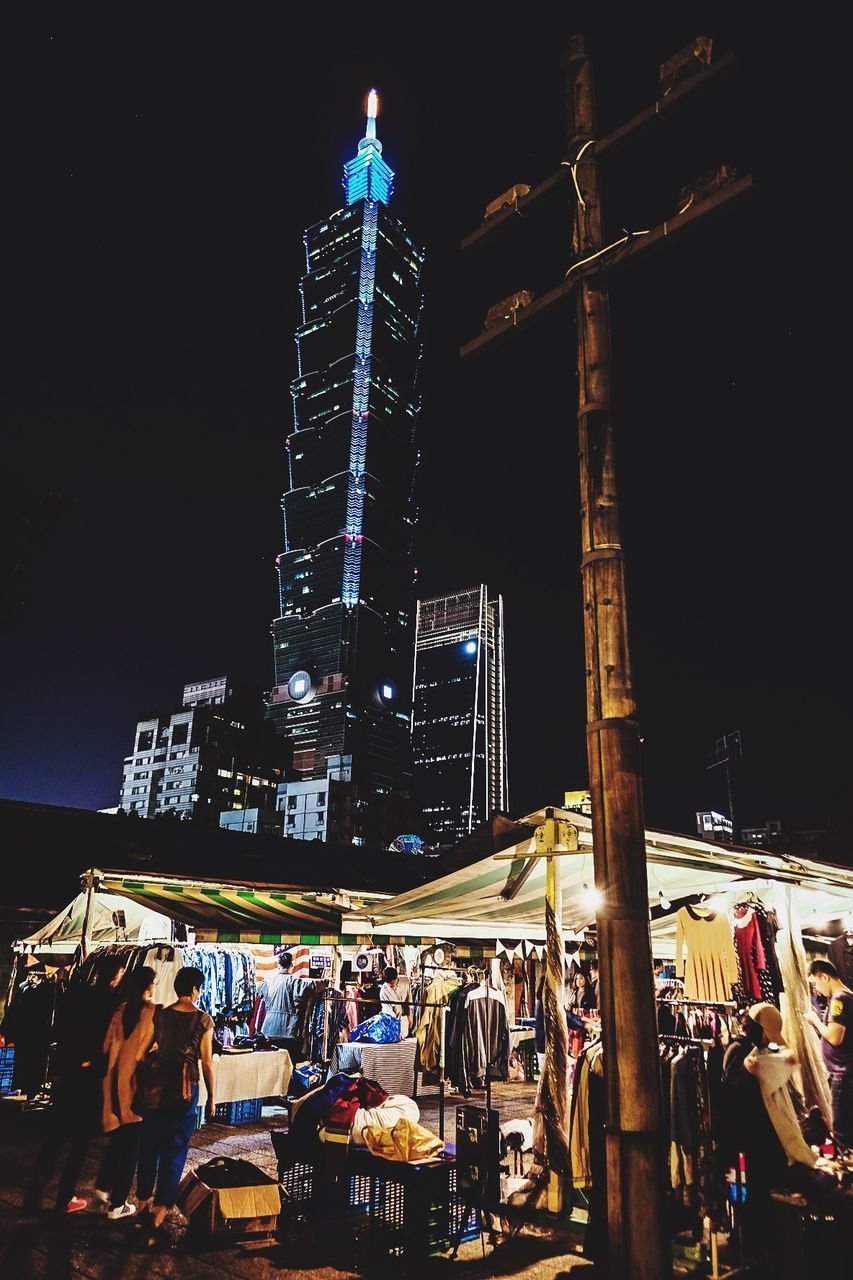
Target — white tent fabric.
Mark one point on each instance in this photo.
(507, 893)
(64, 932)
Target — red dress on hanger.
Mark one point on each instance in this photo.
(750, 949)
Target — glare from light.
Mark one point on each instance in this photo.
(715, 903)
(591, 899)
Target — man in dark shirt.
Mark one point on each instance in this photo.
(836, 1041)
(77, 1073)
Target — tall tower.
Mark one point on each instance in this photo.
(343, 638)
(459, 712)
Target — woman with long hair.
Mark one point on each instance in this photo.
(582, 996)
(128, 1039)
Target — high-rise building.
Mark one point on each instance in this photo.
(459, 713)
(343, 637)
(214, 754)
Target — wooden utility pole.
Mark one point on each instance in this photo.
(638, 1241)
(638, 1244)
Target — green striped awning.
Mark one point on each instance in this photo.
(237, 908)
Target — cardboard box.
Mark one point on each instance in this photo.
(247, 1207)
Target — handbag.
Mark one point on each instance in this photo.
(155, 1085)
(162, 1084)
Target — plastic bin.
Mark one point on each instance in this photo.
(246, 1111)
(7, 1067)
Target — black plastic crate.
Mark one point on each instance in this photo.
(464, 1219)
(7, 1067)
(245, 1111)
(409, 1209)
(302, 1182)
(297, 1192)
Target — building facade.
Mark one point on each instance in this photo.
(213, 754)
(459, 713)
(343, 637)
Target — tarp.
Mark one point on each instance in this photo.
(508, 890)
(64, 932)
(268, 910)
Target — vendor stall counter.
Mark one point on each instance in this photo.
(238, 1076)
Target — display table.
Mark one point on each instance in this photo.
(391, 1065)
(236, 1076)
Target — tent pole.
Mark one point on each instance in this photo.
(87, 882)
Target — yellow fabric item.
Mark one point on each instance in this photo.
(711, 965)
(407, 1141)
(429, 1027)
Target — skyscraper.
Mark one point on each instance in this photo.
(343, 638)
(459, 712)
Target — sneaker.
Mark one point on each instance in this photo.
(126, 1210)
(75, 1204)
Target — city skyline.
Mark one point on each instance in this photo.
(157, 226)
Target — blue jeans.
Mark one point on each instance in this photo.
(166, 1138)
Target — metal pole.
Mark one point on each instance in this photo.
(637, 1241)
(88, 883)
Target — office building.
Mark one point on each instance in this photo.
(459, 713)
(215, 753)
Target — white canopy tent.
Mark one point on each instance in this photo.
(114, 919)
(506, 893)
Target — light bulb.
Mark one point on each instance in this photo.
(590, 898)
(664, 902)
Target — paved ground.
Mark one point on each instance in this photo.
(89, 1248)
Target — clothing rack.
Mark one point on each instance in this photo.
(703, 1004)
(688, 1042)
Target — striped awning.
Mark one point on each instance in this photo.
(248, 909)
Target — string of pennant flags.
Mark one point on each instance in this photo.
(525, 950)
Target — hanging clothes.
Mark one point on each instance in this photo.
(485, 1043)
(710, 970)
(436, 994)
(812, 1082)
(841, 955)
(750, 951)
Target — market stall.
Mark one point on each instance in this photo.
(736, 927)
(231, 932)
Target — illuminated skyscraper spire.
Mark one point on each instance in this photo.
(367, 176)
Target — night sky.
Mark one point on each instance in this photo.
(162, 171)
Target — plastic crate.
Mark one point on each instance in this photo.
(297, 1192)
(7, 1067)
(464, 1219)
(409, 1209)
(300, 1181)
(246, 1111)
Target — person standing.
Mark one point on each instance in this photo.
(581, 998)
(183, 1034)
(129, 1036)
(836, 1041)
(283, 994)
(388, 993)
(593, 984)
(76, 1082)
